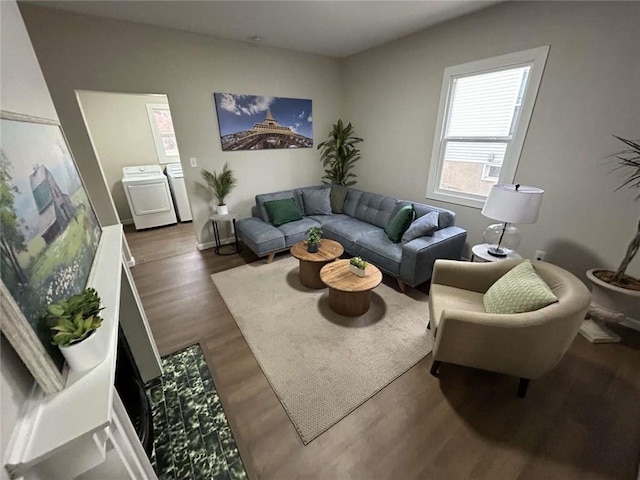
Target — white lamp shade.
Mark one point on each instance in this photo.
(506, 203)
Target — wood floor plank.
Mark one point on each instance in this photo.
(581, 421)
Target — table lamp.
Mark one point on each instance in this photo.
(509, 204)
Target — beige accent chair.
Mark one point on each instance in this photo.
(525, 345)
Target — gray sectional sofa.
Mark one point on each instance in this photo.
(361, 231)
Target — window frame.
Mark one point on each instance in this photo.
(536, 58)
(163, 158)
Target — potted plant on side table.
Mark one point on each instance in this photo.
(358, 266)
(615, 296)
(314, 234)
(75, 322)
(221, 184)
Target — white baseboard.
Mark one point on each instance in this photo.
(631, 323)
(223, 241)
(126, 221)
(131, 263)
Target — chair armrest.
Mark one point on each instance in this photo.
(477, 277)
(525, 345)
(419, 255)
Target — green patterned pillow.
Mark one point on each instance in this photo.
(519, 290)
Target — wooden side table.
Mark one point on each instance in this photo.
(312, 263)
(215, 218)
(349, 294)
(481, 252)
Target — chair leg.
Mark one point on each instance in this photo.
(523, 383)
(434, 367)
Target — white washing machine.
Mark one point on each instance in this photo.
(147, 191)
(179, 191)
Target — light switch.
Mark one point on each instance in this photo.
(193, 161)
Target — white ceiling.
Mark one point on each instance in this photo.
(332, 28)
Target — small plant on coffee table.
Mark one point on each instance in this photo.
(314, 234)
(357, 265)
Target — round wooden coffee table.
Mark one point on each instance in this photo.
(349, 294)
(311, 263)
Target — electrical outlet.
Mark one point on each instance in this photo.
(193, 162)
(540, 255)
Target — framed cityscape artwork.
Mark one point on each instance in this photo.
(49, 238)
(253, 122)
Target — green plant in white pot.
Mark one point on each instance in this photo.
(75, 322)
(616, 295)
(221, 185)
(358, 266)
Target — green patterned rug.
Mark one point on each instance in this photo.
(192, 437)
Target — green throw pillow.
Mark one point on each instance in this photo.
(519, 290)
(282, 211)
(399, 223)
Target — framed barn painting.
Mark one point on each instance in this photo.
(49, 237)
(253, 122)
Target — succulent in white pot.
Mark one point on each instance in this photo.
(75, 322)
(358, 266)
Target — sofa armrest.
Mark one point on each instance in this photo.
(477, 277)
(419, 255)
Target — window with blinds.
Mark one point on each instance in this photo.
(483, 117)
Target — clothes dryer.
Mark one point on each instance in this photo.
(147, 191)
(179, 191)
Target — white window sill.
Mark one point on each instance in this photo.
(456, 199)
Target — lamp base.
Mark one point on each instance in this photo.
(497, 252)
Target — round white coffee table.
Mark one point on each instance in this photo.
(480, 253)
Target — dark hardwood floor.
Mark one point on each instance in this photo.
(581, 421)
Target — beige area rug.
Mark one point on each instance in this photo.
(322, 365)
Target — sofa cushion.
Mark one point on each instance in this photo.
(267, 197)
(295, 232)
(325, 219)
(375, 247)
(317, 202)
(519, 290)
(399, 223)
(338, 198)
(421, 227)
(348, 231)
(375, 209)
(282, 211)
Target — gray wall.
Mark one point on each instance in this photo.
(88, 53)
(590, 90)
(119, 127)
(23, 91)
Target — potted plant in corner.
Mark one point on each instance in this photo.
(221, 184)
(616, 295)
(358, 266)
(75, 322)
(314, 234)
(339, 154)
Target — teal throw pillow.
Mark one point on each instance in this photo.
(422, 226)
(282, 211)
(399, 223)
(519, 290)
(338, 197)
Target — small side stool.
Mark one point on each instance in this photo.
(215, 218)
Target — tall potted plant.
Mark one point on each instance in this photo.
(616, 295)
(221, 184)
(339, 154)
